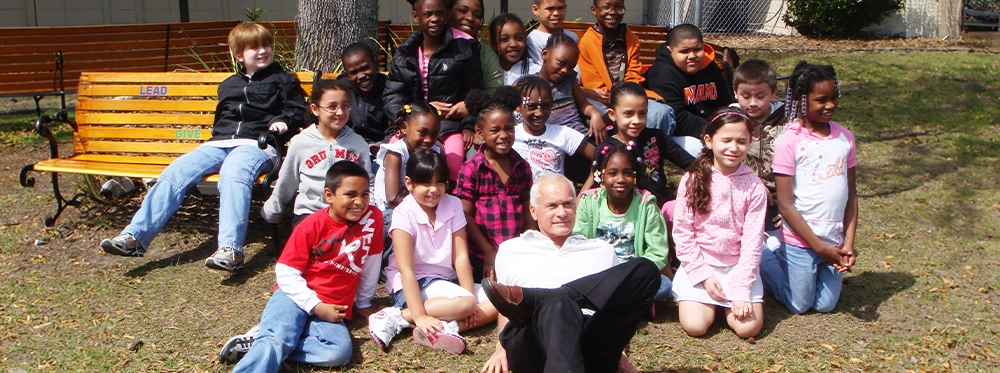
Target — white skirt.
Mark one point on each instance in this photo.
(683, 290)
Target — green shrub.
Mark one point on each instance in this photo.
(837, 18)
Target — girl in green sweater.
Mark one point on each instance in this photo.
(625, 217)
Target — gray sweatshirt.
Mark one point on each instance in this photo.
(304, 170)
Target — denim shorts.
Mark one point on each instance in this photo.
(399, 300)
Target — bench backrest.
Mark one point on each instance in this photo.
(29, 52)
(650, 37)
(156, 116)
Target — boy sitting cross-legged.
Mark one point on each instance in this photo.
(331, 260)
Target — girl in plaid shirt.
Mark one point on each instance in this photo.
(493, 185)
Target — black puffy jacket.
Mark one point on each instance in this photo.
(454, 69)
(368, 116)
(248, 105)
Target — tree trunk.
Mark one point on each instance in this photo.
(325, 27)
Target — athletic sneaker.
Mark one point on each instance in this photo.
(124, 244)
(226, 259)
(385, 325)
(237, 347)
(449, 340)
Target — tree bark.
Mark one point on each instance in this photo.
(325, 27)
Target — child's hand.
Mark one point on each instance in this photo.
(458, 111)
(330, 312)
(777, 221)
(598, 129)
(443, 107)
(429, 324)
(473, 319)
(364, 313)
(279, 127)
(848, 259)
(742, 310)
(488, 268)
(832, 256)
(467, 137)
(597, 94)
(374, 147)
(715, 289)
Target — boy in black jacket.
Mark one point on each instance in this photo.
(367, 86)
(261, 97)
(690, 80)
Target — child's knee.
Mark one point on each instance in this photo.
(799, 308)
(695, 329)
(335, 355)
(825, 305)
(467, 304)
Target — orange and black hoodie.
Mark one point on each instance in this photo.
(693, 97)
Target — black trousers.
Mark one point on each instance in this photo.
(560, 339)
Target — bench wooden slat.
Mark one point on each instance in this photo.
(173, 134)
(159, 78)
(83, 118)
(89, 104)
(114, 158)
(93, 146)
(133, 170)
(133, 90)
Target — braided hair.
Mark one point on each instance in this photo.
(505, 99)
(801, 83)
(496, 26)
(560, 39)
(529, 83)
(408, 111)
(604, 153)
(699, 185)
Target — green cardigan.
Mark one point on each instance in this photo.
(651, 244)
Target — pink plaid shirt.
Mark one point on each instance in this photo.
(499, 205)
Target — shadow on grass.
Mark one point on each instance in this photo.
(864, 293)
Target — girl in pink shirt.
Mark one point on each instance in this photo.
(429, 276)
(718, 227)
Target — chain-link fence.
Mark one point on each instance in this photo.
(722, 16)
(980, 14)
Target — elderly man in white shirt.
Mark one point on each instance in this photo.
(555, 287)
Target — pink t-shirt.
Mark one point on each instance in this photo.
(819, 167)
(432, 241)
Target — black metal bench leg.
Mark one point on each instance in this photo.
(38, 105)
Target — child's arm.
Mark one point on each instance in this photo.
(368, 281)
(794, 219)
(598, 129)
(587, 148)
(284, 189)
(655, 236)
(393, 162)
(460, 257)
(744, 274)
(850, 222)
(476, 236)
(403, 250)
(293, 114)
(397, 91)
(684, 237)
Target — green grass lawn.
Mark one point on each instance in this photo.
(923, 296)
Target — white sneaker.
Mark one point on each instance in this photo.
(385, 325)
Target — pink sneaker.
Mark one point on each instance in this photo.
(446, 341)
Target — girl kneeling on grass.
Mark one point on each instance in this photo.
(429, 275)
(718, 227)
(814, 164)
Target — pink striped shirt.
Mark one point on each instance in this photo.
(731, 234)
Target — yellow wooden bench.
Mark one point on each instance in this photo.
(134, 124)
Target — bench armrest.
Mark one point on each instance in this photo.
(273, 139)
(41, 126)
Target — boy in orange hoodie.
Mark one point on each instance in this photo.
(609, 54)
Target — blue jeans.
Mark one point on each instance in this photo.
(658, 115)
(238, 168)
(664, 292)
(288, 332)
(399, 300)
(800, 279)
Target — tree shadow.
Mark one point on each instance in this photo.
(864, 293)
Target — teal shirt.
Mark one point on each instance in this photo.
(492, 73)
(640, 232)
